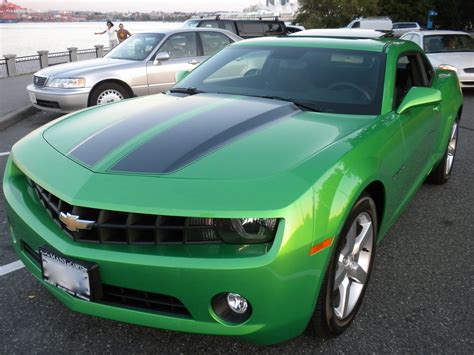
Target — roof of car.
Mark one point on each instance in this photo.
(187, 29)
(439, 32)
(367, 44)
(342, 33)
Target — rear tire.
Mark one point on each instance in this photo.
(351, 262)
(442, 172)
(106, 93)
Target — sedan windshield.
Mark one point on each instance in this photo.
(448, 43)
(137, 47)
(319, 79)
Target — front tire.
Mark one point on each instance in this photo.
(348, 272)
(106, 93)
(442, 172)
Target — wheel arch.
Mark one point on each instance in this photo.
(115, 81)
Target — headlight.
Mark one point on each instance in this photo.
(68, 83)
(447, 67)
(232, 231)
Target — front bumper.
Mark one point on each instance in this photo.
(58, 100)
(466, 79)
(281, 284)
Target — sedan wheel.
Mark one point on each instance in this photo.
(108, 96)
(107, 93)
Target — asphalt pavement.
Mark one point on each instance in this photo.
(419, 299)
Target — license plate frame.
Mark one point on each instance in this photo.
(32, 97)
(80, 279)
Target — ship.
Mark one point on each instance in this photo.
(10, 12)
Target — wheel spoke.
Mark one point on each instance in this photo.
(363, 238)
(344, 293)
(350, 239)
(341, 274)
(357, 273)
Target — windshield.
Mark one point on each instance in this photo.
(137, 47)
(329, 80)
(448, 43)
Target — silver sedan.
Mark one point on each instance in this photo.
(144, 64)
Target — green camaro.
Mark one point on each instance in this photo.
(248, 200)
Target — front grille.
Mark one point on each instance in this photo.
(127, 297)
(48, 104)
(467, 83)
(469, 70)
(112, 227)
(39, 81)
(143, 300)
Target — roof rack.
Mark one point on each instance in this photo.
(244, 17)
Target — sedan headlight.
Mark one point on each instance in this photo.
(448, 67)
(68, 83)
(232, 231)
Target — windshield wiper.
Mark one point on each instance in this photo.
(306, 105)
(189, 91)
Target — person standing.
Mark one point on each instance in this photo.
(111, 32)
(122, 33)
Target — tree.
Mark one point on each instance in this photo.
(333, 13)
(401, 11)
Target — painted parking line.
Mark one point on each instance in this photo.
(16, 265)
(3, 154)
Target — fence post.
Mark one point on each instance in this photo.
(99, 50)
(43, 59)
(11, 64)
(72, 54)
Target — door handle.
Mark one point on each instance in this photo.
(194, 62)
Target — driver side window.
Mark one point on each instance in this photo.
(408, 75)
(181, 45)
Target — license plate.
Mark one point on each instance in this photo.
(78, 278)
(32, 97)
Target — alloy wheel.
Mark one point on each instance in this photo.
(353, 265)
(109, 96)
(452, 148)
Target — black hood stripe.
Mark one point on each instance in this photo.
(192, 139)
(94, 148)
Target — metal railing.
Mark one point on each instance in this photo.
(11, 65)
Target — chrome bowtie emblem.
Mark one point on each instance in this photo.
(73, 223)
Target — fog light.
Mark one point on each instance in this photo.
(237, 303)
(232, 307)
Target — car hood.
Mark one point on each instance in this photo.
(204, 136)
(80, 68)
(459, 60)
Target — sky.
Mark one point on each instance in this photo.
(137, 5)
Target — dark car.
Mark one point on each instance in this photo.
(245, 28)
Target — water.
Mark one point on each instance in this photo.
(28, 38)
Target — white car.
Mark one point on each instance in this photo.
(400, 28)
(452, 50)
(372, 23)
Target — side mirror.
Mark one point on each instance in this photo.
(418, 96)
(161, 57)
(180, 75)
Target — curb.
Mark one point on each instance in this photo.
(13, 117)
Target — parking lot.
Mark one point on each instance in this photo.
(419, 298)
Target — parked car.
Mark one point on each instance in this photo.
(342, 33)
(372, 23)
(146, 63)
(400, 28)
(248, 200)
(453, 50)
(258, 27)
